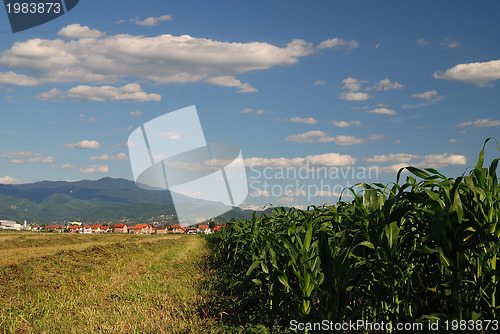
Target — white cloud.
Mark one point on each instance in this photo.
(170, 135)
(352, 84)
(384, 111)
(84, 144)
(130, 92)
(95, 169)
(425, 95)
(68, 166)
(309, 120)
(480, 73)
(393, 157)
(320, 83)
(420, 161)
(422, 42)
(75, 31)
(481, 123)
(258, 112)
(353, 87)
(344, 124)
(354, 96)
(386, 84)
(9, 180)
(327, 159)
(52, 95)
(451, 44)
(324, 193)
(330, 159)
(338, 43)
(160, 59)
(452, 140)
(257, 193)
(106, 157)
(26, 157)
(151, 21)
(136, 113)
(230, 81)
(322, 137)
(11, 78)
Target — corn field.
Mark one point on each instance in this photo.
(423, 250)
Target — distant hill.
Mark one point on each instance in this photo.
(107, 199)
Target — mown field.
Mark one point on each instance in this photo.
(61, 283)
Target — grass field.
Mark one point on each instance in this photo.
(105, 283)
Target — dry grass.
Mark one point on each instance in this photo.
(120, 284)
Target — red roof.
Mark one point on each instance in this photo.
(175, 226)
(203, 227)
(119, 225)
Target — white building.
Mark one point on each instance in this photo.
(10, 225)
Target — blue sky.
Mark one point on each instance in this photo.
(295, 84)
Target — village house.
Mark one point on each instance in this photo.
(73, 229)
(86, 229)
(54, 228)
(120, 228)
(141, 229)
(204, 229)
(96, 228)
(161, 230)
(175, 229)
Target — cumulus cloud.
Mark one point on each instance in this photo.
(401, 160)
(308, 120)
(384, 111)
(344, 124)
(136, 113)
(257, 193)
(322, 137)
(352, 84)
(84, 144)
(230, 81)
(53, 95)
(75, 31)
(96, 169)
(353, 87)
(480, 73)
(481, 123)
(258, 112)
(130, 92)
(338, 43)
(425, 95)
(320, 83)
(160, 59)
(68, 166)
(354, 96)
(327, 159)
(451, 44)
(151, 21)
(422, 41)
(9, 180)
(26, 157)
(386, 84)
(106, 157)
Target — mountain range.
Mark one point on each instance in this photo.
(104, 200)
